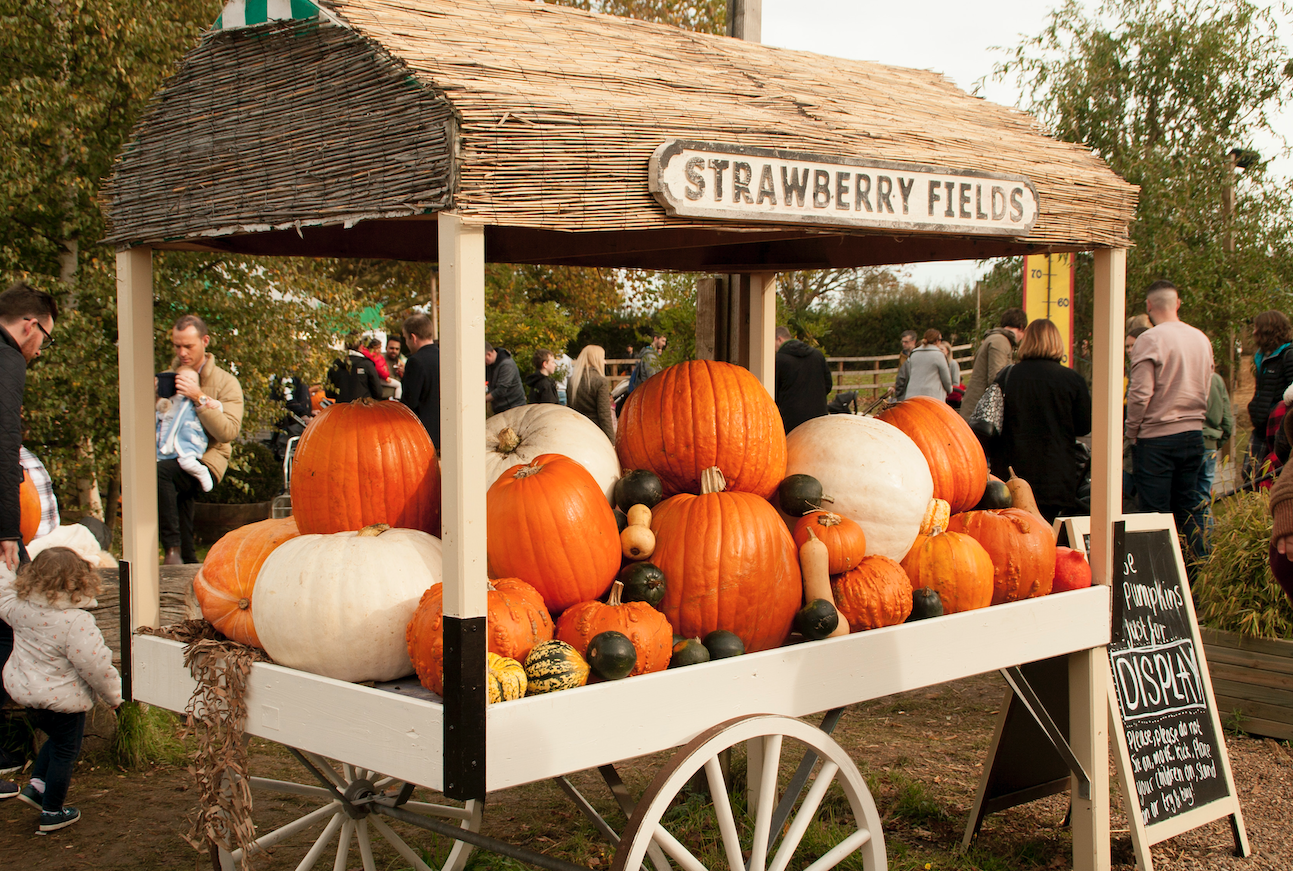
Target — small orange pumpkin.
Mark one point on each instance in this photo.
(844, 539)
(1021, 547)
(225, 584)
(875, 593)
(29, 506)
(647, 628)
(515, 618)
(953, 564)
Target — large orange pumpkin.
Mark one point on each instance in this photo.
(225, 584)
(363, 463)
(647, 628)
(549, 524)
(516, 619)
(955, 565)
(29, 506)
(731, 564)
(955, 457)
(1022, 549)
(873, 594)
(698, 414)
(844, 539)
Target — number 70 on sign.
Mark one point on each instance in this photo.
(1048, 293)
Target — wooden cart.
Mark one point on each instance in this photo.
(467, 131)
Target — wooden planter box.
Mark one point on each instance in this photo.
(1252, 679)
(211, 520)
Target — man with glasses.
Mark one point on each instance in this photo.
(217, 396)
(27, 317)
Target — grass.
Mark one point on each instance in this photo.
(145, 736)
(1233, 588)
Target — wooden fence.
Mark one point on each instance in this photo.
(871, 377)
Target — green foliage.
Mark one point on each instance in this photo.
(145, 736)
(1233, 588)
(1164, 92)
(872, 327)
(254, 475)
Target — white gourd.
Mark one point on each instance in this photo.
(546, 428)
(338, 605)
(875, 473)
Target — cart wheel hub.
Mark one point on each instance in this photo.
(357, 797)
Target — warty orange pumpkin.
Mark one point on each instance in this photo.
(956, 459)
(647, 628)
(1021, 547)
(516, 620)
(698, 414)
(731, 564)
(363, 463)
(225, 584)
(873, 594)
(549, 524)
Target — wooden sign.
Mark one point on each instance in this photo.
(1048, 293)
(734, 183)
(1169, 746)
(1074, 532)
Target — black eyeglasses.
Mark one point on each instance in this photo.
(48, 341)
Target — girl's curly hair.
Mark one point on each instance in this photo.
(58, 572)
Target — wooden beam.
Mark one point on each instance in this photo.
(762, 304)
(1089, 739)
(138, 432)
(1106, 407)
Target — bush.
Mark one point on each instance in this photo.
(1233, 587)
(254, 475)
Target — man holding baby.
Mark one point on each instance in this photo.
(216, 399)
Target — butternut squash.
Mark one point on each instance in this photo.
(1021, 496)
(814, 562)
(639, 515)
(637, 542)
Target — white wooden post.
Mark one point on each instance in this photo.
(138, 455)
(762, 301)
(1089, 670)
(462, 414)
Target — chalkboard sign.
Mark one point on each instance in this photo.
(1159, 682)
(1171, 751)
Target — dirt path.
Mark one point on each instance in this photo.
(922, 754)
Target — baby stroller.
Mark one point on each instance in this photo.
(845, 402)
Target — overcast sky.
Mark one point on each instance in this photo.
(952, 37)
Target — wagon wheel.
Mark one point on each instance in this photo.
(738, 841)
(342, 794)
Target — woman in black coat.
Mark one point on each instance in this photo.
(1047, 407)
(1273, 363)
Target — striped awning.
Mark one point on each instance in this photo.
(249, 13)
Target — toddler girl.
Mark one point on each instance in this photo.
(180, 435)
(59, 663)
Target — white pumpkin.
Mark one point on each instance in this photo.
(338, 605)
(520, 434)
(875, 473)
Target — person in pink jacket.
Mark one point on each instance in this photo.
(59, 664)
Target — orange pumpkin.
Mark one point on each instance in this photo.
(844, 539)
(549, 524)
(955, 565)
(647, 628)
(225, 584)
(873, 594)
(700, 414)
(363, 463)
(29, 506)
(731, 564)
(516, 619)
(1022, 549)
(956, 459)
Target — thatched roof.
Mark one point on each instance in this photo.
(346, 133)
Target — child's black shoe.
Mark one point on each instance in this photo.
(52, 821)
(30, 796)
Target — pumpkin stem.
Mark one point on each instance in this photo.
(508, 440)
(244, 603)
(712, 481)
(375, 530)
(826, 498)
(812, 536)
(614, 599)
(828, 519)
(527, 471)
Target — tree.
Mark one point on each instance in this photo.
(1173, 95)
(701, 16)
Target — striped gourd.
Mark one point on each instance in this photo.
(506, 678)
(554, 665)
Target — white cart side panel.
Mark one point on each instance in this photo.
(371, 728)
(540, 737)
(543, 736)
